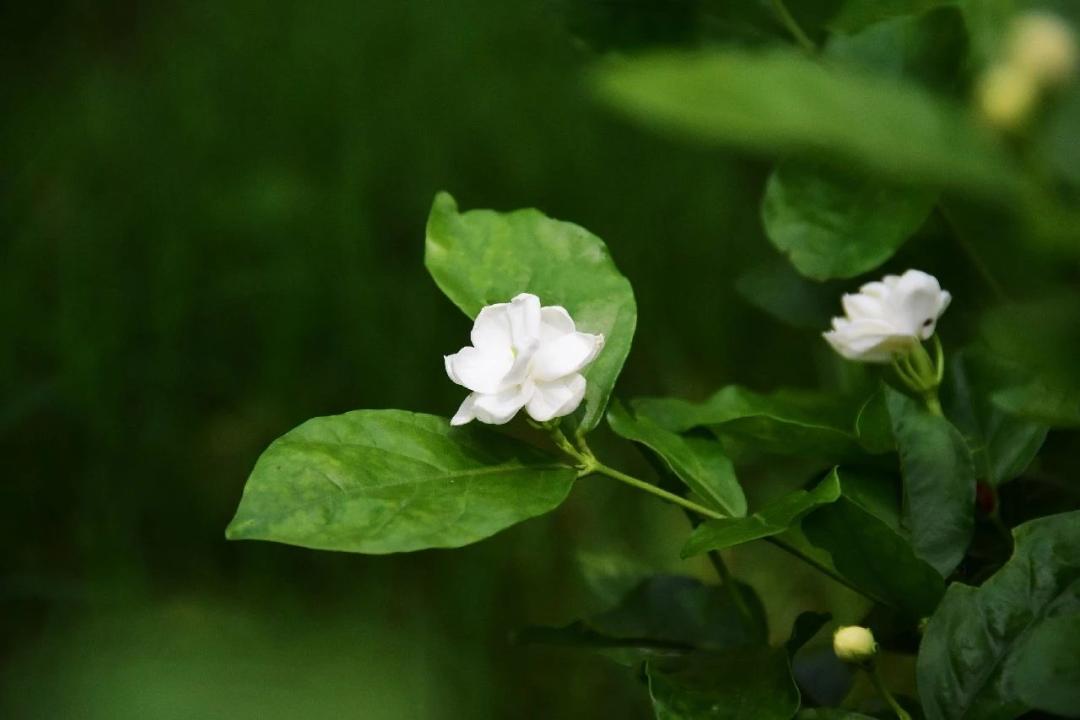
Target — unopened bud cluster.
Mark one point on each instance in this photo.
(1040, 55)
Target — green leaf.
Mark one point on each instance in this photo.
(939, 482)
(483, 257)
(859, 538)
(966, 666)
(786, 422)
(1038, 402)
(783, 103)
(855, 15)
(664, 614)
(772, 520)
(873, 426)
(1046, 666)
(834, 224)
(752, 684)
(383, 481)
(805, 627)
(1002, 444)
(698, 462)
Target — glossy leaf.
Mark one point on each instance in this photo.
(698, 462)
(833, 224)
(771, 520)
(939, 482)
(1046, 666)
(831, 714)
(860, 539)
(483, 257)
(784, 103)
(752, 684)
(383, 481)
(785, 422)
(972, 659)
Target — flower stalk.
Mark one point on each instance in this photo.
(588, 464)
(879, 685)
(921, 374)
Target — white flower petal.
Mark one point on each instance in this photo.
(565, 356)
(466, 413)
(524, 316)
(501, 407)
(481, 371)
(554, 323)
(492, 327)
(862, 306)
(556, 399)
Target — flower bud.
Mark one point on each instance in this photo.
(1043, 46)
(854, 644)
(1007, 95)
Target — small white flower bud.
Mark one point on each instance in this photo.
(1043, 46)
(1007, 95)
(854, 644)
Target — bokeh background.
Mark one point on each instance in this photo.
(211, 229)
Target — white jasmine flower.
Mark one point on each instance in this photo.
(1043, 45)
(854, 644)
(522, 356)
(888, 318)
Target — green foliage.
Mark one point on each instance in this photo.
(972, 659)
(698, 462)
(858, 537)
(1002, 444)
(939, 482)
(483, 257)
(783, 422)
(836, 225)
(781, 102)
(383, 481)
(771, 520)
(752, 684)
(1046, 666)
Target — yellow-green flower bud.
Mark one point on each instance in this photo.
(1007, 95)
(1043, 46)
(854, 644)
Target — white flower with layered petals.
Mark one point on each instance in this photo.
(888, 318)
(522, 356)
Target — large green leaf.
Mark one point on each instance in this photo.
(785, 295)
(664, 614)
(784, 422)
(1002, 444)
(771, 520)
(848, 525)
(972, 661)
(698, 462)
(860, 539)
(786, 103)
(483, 257)
(382, 481)
(1045, 668)
(834, 224)
(939, 482)
(1040, 403)
(751, 684)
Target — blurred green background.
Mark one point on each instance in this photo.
(211, 227)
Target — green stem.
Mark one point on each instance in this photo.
(933, 404)
(599, 468)
(792, 26)
(879, 684)
(819, 567)
(589, 465)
